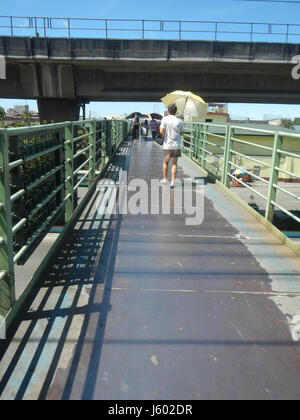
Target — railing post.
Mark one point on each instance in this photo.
(112, 138)
(44, 24)
(200, 143)
(7, 275)
(103, 144)
(69, 28)
(109, 139)
(216, 31)
(117, 135)
(92, 152)
(227, 156)
(203, 159)
(69, 162)
(192, 137)
(11, 26)
(36, 27)
(197, 142)
(278, 140)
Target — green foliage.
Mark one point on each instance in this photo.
(26, 118)
(2, 117)
(286, 123)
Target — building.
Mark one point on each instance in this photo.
(16, 115)
(217, 113)
(212, 113)
(20, 109)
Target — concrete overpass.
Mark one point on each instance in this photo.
(61, 73)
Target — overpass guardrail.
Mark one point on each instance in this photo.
(223, 150)
(41, 170)
(149, 29)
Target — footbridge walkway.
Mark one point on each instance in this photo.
(143, 304)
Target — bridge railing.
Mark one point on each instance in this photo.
(149, 29)
(41, 171)
(237, 156)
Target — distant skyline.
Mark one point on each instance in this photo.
(102, 109)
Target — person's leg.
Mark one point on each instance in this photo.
(174, 168)
(166, 167)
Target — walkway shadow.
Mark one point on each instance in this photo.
(56, 349)
(83, 266)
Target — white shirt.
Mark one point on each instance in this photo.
(173, 126)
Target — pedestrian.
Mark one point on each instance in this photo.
(154, 128)
(147, 127)
(143, 131)
(135, 128)
(172, 129)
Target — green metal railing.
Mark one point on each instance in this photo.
(41, 171)
(219, 150)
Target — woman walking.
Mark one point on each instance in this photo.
(146, 127)
(135, 128)
(143, 131)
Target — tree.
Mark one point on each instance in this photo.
(286, 123)
(2, 116)
(26, 118)
(2, 112)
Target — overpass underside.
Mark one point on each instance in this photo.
(78, 70)
(145, 307)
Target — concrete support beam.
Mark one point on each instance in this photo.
(145, 70)
(56, 80)
(58, 110)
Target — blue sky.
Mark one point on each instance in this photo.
(156, 9)
(219, 10)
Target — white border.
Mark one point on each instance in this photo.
(2, 67)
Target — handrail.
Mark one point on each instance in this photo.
(148, 28)
(200, 144)
(40, 174)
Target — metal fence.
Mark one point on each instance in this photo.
(41, 170)
(149, 29)
(221, 149)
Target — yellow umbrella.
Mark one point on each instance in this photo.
(187, 103)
